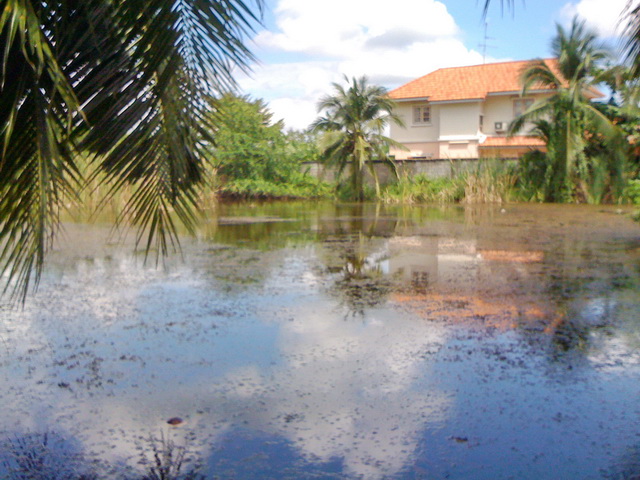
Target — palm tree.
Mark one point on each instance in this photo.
(629, 18)
(122, 84)
(353, 125)
(569, 110)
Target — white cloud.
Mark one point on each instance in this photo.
(601, 15)
(314, 27)
(292, 90)
(367, 38)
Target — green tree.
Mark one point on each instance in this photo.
(572, 120)
(302, 146)
(122, 83)
(249, 145)
(353, 125)
(255, 158)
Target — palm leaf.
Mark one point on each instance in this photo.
(631, 34)
(123, 81)
(508, 3)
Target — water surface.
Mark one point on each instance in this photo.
(299, 340)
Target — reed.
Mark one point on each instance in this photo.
(491, 181)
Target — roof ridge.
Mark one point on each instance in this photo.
(471, 66)
(490, 64)
(466, 81)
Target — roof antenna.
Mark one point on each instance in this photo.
(485, 44)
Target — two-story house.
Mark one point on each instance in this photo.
(464, 112)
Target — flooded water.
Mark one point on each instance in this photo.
(300, 340)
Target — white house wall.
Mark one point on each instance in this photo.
(459, 130)
(459, 119)
(500, 108)
(446, 120)
(420, 140)
(454, 131)
(461, 149)
(497, 109)
(415, 133)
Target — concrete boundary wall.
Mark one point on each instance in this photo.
(437, 168)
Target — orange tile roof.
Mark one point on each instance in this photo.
(517, 141)
(463, 83)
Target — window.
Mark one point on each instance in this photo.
(521, 105)
(421, 114)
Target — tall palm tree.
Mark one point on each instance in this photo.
(122, 84)
(355, 118)
(568, 108)
(629, 18)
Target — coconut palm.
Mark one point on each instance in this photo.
(569, 109)
(630, 20)
(353, 125)
(119, 83)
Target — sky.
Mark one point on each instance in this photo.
(304, 46)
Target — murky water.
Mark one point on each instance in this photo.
(320, 341)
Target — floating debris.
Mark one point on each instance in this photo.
(460, 439)
(175, 421)
(521, 256)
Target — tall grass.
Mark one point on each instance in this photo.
(489, 181)
(98, 201)
(423, 189)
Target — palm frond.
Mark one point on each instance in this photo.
(538, 74)
(37, 176)
(631, 35)
(508, 3)
(541, 109)
(123, 81)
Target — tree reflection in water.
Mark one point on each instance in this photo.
(51, 456)
(361, 284)
(627, 467)
(46, 456)
(354, 248)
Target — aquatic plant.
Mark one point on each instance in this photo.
(423, 189)
(491, 181)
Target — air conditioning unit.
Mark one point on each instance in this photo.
(500, 126)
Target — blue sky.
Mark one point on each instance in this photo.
(304, 46)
